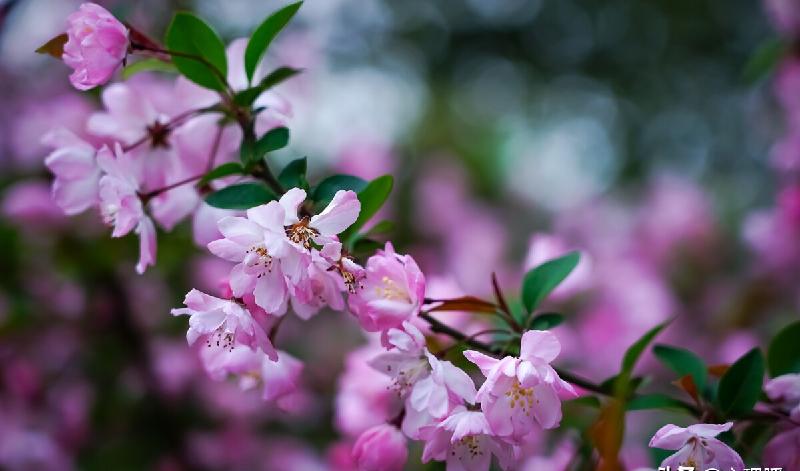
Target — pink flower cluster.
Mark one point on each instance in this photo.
(459, 425)
(138, 160)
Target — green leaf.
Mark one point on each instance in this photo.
(740, 386)
(372, 198)
(764, 59)
(248, 96)
(240, 196)
(263, 36)
(541, 280)
(224, 170)
(783, 355)
(655, 401)
(189, 34)
(683, 362)
(546, 321)
(55, 46)
(294, 174)
(636, 350)
(274, 139)
(150, 64)
(324, 191)
(383, 227)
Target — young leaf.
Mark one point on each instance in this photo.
(740, 387)
(55, 46)
(240, 196)
(540, 281)
(188, 34)
(151, 64)
(683, 362)
(263, 36)
(372, 198)
(324, 191)
(764, 59)
(546, 321)
(274, 139)
(224, 170)
(465, 303)
(294, 174)
(783, 355)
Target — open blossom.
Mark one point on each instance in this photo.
(696, 447)
(273, 249)
(73, 162)
(381, 448)
(785, 391)
(392, 291)
(466, 442)
(97, 44)
(518, 392)
(223, 324)
(405, 362)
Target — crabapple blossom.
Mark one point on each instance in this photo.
(696, 447)
(381, 448)
(121, 205)
(519, 392)
(73, 162)
(466, 442)
(96, 46)
(364, 396)
(785, 391)
(405, 362)
(223, 324)
(273, 250)
(392, 291)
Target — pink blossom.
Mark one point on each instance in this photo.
(340, 214)
(521, 391)
(223, 324)
(278, 378)
(97, 43)
(785, 391)
(73, 162)
(29, 203)
(121, 205)
(405, 362)
(392, 291)
(466, 442)
(783, 450)
(381, 448)
(696, 447)
(364, 397)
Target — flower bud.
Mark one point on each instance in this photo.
(381, 448)
(97, 44)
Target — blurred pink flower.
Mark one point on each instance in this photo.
(96, 47)
(696, 447)
(278, 378)
(381, 448)
(392, 291)
(466, 442)
(785, 15)
(785, 392)
(30, 204)
(364, 397)
(783, 450)
(519, 392)
(223, 325)
(73, 162)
